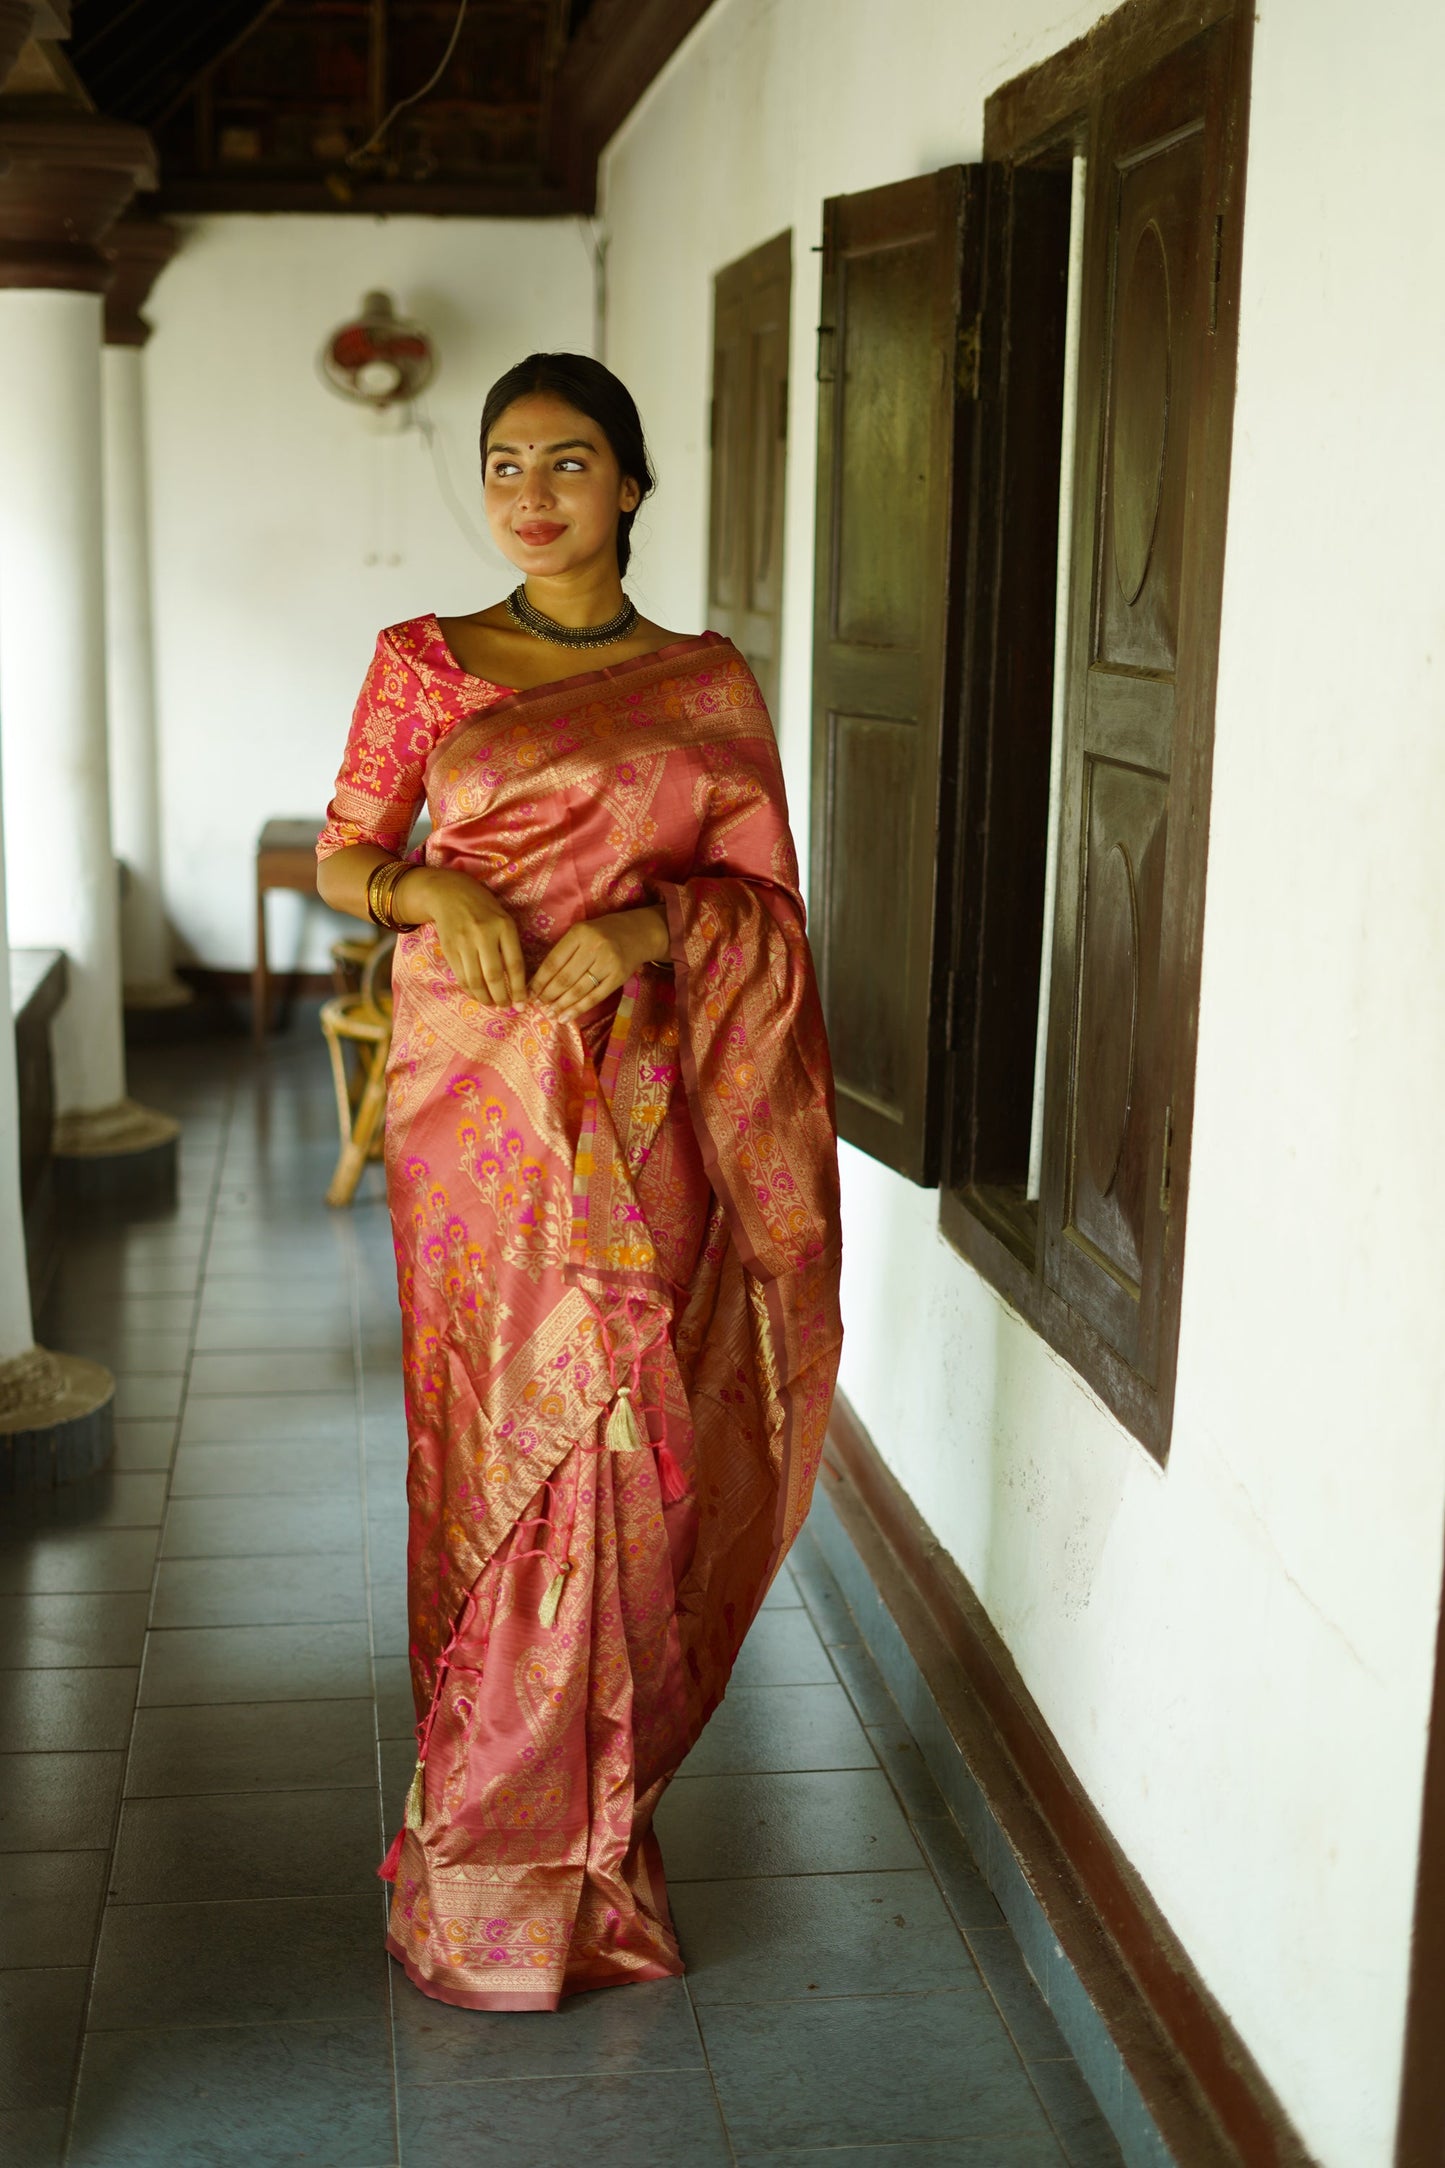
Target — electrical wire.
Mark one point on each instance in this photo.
(354, 158)
(431, 433)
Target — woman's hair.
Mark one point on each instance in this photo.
(594, 391)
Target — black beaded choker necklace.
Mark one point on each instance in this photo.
(531, 619)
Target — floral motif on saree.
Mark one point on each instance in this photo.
(617, 1251)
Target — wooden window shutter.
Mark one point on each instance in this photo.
(1151, 481)
(895, 374)
(751, 304)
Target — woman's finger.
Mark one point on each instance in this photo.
(494, 967)
(553, 971)
(513, 963)
(585, 994)
(583, 982)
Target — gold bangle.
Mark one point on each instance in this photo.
(381, 887)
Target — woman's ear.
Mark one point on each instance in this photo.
(631, 496)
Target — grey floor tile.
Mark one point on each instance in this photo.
(247, 1844)
(783, 1595)
(899, 1752)
(865, 2069)
(141, 1395)
(243, 1299)
(391, 1633)
(75, 1561)
(259, 1591)
(130, 1313)
(276, 1470)
(143, 1448)
(648, 2026)
(40, 2013)
(236, 2096)
(58, 1802)
(397, 1758)
(970, 1899)
(1026, 2013)
(782, 1727)
(115, 1498)
(52, 1710)
(256, 1663)
(32, 2137)
(1037, 2150)
(246, 1418)
(782, 1649)
(252, 1746)
(117, 1274)
(269, 1961)
(821, 1822)
(49, 1907)
(395, 1707)
(610, 2122)
(276, 1370)
(786, 1937)
(227, 1329)
(132, 1353)
(269, 1527)
(825, 1601)
(1078, 2120)
(55, 1632)
(864, 1681)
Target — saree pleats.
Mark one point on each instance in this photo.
(617, 1255)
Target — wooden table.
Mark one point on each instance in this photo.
(285, 858)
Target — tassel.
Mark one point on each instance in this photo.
(391, 1865)
(547, 1610)
(670, 1477)
(623, 1435)
(415, 1799)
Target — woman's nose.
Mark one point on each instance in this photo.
(536, 491)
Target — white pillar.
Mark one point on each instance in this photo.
(17, 1331)
(61, 882)
(146, 956)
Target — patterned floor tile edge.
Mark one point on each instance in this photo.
(1099, 2060)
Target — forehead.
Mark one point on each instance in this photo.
(543, 417)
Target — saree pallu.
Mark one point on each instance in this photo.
(618, 1255)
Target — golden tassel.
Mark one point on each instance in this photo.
(415, 1799)
(547, 1611)
(623, 1435)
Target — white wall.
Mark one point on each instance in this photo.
(290, 526)
(1235, 1654)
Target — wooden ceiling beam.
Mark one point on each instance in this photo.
(620, 49)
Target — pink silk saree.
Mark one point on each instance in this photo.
(617, 1251)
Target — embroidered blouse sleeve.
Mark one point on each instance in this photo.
(380, 787)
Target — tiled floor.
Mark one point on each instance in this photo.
(203, 1690)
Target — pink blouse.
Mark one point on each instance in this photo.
(414, 693)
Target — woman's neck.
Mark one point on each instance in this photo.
(583, 598)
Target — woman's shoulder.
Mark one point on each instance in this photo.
(411, 637)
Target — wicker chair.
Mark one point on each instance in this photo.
(360, 1020)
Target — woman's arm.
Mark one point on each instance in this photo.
(478, 936)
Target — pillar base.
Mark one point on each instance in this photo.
(167, 993)
(57, 1420)
(125, 1154)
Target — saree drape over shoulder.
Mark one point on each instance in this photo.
(617, 1250)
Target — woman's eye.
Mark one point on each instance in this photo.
(503, 468)
(575, 464)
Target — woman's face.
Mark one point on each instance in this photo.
(553, 489)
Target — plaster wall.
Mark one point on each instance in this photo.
(1234, 1652)
(289, 526)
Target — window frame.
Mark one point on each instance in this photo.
(1047, 117)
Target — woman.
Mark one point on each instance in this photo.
(611, 1166)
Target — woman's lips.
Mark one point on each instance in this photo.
(539, 532)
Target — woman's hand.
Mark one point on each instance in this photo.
(596, 956)
(478, 936)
